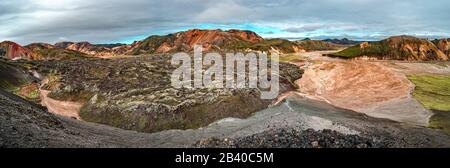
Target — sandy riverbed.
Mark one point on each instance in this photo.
(376, 88)
(62, 108)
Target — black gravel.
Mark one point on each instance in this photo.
(291, 138)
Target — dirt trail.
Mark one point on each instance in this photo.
(365, 87)
(62, 108)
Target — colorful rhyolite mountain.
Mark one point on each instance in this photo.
(15, 51)
(443, 45)
(45, 51)
(88, 48)
(185, 41)
(210, 40)
(398, 48)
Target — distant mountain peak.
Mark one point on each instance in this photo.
(401, 47)
(13, 50)
(344, 41)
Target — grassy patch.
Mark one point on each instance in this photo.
(349, 52)
(290, 58)
(373, 50)
(433, 91)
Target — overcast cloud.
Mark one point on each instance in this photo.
(104, 21)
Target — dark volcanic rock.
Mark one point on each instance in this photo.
(291, 138)
(443, 45)
(13, 75)
(2, 52)
(24, 124)
(136, 94)
(63, 45)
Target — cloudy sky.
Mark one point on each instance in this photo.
(108, 21)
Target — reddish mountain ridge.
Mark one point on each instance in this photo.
(443, 45)
(211, 40)
(407, 48)
(15, 51)
(94, 49)
(397, 47)
(185, 41)
(214, 37)
(46, 51)
(90, 49)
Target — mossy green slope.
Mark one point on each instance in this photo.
(433, 91)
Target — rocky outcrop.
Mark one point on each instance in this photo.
(63, 44)
(364, 45)
(291, 138)
(2, 52)
(443, 45)
(15, 51)
(406, 48)
(13, 75)
(136, 94)
(39, 46)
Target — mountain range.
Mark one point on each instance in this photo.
(396, 47)
(403, 47)
(210, 40)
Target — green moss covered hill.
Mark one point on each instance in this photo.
(396, 48)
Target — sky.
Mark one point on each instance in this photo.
(124, 21)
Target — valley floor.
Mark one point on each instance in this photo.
(338, 104)
(343, 128)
